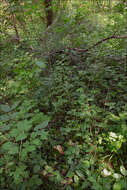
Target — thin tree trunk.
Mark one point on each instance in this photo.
(15, 27)
(48, 11)
(110, 4)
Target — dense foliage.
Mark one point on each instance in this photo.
(63, 95)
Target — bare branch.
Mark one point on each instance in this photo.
(86, 50)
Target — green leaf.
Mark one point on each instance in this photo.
(42, 125)
(76, 179)
(11, 148)
(4, 117)
(5, 127)
(79, 173)
(15, 105)
(85, 184)
(30, 148)
(115, 118)
(21, 137)
(36, 142)
(35, 179)
(92, 179)
(24, 125)
(14, 133)
(14, 115)
(117, 186)
(69, 187)
(23, 153)
(86, 164)
(5, 108)
(41, 64)
(34, 134)
(70, 174)
(123, 116)
(18, 134)
(44, 135)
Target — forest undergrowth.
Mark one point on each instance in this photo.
(63, 103)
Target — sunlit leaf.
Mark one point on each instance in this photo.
(76, 179)
(117, 176)
(123, 170)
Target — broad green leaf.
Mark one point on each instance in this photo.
(21, 136)
(34, 134)
(5, 127)
(18, 135)
(41, 64)
(36, 142)
(14, 150)
(70, 174)
(59, 178)
(44, 135)
(30, 148)
(5, 108)
(86, 164)
(24, 125)
(4, 117)
(115, 118)
(11, 148)
(14, 133)
(42, 125)
(123, 116)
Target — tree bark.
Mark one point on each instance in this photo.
(48, 11)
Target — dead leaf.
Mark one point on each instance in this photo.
(67, 181)
(60, 149)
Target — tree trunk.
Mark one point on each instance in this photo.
(48, 11)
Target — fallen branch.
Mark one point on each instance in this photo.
(86, 50)
(99, 42)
